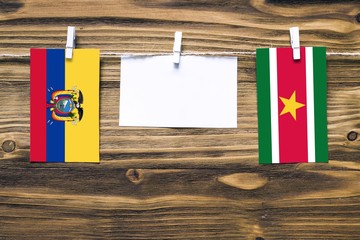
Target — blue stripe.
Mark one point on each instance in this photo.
(55, 130)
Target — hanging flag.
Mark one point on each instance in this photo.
(292, 105)
(64, 106)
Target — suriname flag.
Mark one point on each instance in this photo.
(291, 97)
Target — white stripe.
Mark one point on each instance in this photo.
(310, 104)
(274, 106)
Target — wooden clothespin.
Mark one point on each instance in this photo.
(295, 42)
(70, 42)
(177, 47)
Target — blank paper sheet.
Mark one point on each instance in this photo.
(200, 92)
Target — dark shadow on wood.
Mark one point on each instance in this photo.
(289, 2)
(10, 6)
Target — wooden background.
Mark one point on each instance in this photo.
(180, 183)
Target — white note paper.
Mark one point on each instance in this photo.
(200, 92)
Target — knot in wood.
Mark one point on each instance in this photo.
(352, 136)
(358, 18)
(135, 176)
(8, 146)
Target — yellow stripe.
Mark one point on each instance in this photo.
(82, 138)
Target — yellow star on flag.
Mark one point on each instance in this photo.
(291, 105)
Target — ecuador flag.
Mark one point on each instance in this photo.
(64, 106)
(292, 105)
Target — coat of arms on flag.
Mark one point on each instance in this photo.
(64, 105)
(291, 97)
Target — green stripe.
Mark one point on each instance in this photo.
(263, 96)
(321, 140)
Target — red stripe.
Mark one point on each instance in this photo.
(292, 133)
(37, 105)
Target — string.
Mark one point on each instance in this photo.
(129, 54)
(182, 53)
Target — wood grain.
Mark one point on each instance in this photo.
(165, 183)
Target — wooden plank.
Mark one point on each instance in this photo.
(179, 183)
(187, 147)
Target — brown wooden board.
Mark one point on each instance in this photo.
(168, 183)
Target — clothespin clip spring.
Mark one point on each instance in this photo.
(295, 42)
(177, 47)
(70, 42)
